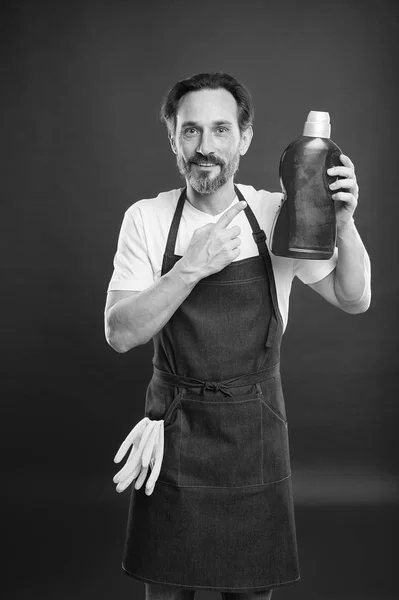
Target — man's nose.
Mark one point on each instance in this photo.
(206, 145)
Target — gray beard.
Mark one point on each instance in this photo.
(203, 183)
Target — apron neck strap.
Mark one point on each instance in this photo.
(260, 239)
(172, 237)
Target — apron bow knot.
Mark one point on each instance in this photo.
(217, 387)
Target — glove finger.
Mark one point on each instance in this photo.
(145, 437)
(127, 473)
(130, 439)
(133, 438)
(149, 447)
(141, 478)
(122, 485)
(128, 462)
(159, 450)
(131, 464)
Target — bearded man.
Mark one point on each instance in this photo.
(194, 272)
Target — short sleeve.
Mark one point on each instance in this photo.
(311, 271)
(132, 266)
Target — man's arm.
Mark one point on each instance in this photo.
(348, 287)
(133, 318)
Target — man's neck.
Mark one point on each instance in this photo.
(215, 203)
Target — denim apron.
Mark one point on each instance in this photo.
(221, 514)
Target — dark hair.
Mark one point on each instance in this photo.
(211, 81)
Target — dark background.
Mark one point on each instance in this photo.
(81, 88)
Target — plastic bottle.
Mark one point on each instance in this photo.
(305, 225)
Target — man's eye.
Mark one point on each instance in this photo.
(221, 129)
(190, 131)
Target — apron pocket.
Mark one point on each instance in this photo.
(276, 460)
(221, 441)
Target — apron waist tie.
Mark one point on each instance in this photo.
(222, 386)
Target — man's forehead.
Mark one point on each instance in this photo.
(207, 105)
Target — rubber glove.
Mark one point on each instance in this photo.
(147, 441)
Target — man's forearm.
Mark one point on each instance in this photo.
(353, 272)
(136, 319)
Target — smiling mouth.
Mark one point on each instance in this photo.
(206, 164)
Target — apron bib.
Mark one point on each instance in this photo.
(221, 515)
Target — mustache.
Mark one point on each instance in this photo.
(209, 160)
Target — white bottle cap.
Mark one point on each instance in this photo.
(317, 124)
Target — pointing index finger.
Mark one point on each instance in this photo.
(229, 215)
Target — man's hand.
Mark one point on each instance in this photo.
(346, 201)
(147, 438)
(213, 246)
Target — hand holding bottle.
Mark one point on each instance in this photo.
(347, 190)
(147, 441)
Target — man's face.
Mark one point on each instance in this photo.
(207, 140)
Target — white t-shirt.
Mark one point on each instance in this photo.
(145, 228)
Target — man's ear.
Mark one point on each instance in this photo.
(246, 138)
(172, 142)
